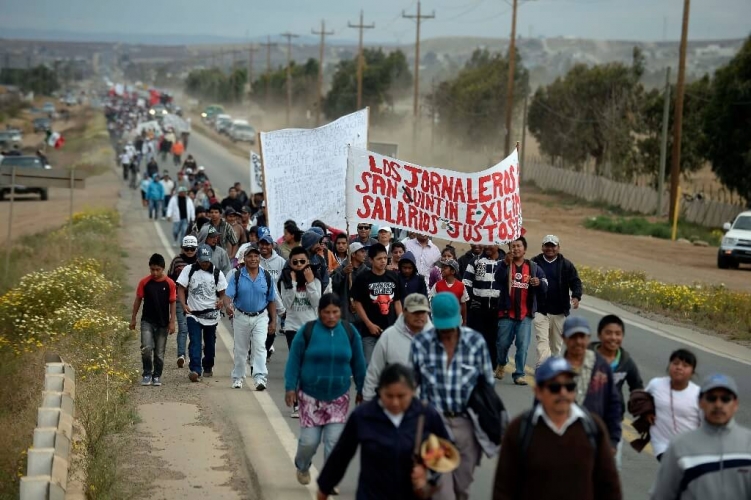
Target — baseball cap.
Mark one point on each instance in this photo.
(551, 238)
(229, 211)
(251, 248)
(212, 231)
(385, 228)
(575, 324)
(310, 239)
(449, 262)
(416, 302)
(246, 209)
(190, 242)
(204, 253)
(719, 381)
(551, 368)
(446, 311)
(182, 189)
(356, 246)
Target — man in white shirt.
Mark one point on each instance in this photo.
(169, 186)
(384, 237)
(201, 293)
(426, 254)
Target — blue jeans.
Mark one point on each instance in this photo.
(182, 329)
(179, 228)
(167, 198)
(518, 332)
(195, 331)
(155, 206)
(153, 344)
(310, 438)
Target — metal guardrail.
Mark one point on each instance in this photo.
(48, 459)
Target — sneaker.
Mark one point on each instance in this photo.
(499, 372)
(146, 380)
(193, 376)
(295, 412)
(260, 386)
(156, 382)
(269, 353)
(303, 477)
(181, 361)
(335, 491)
(520, 381)
(208, 373)
(237, 384)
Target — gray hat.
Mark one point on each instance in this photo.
(575, 324)
(356, 246)
(450, 263)
(416, 302)
(204, 253)
(719, 381)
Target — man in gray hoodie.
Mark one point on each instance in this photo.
(712, 461)
(394, 344)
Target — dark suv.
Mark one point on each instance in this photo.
(22, 162)
(42, 124)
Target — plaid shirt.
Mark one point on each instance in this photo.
(448, 388)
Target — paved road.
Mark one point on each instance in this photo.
(649, 343)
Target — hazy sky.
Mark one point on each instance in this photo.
(601, 19)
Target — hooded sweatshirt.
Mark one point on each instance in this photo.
(709, 462)
(392, 347)
(300, 303)
(413, 284)
(625, 371)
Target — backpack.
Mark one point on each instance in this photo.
(525, 431)
(307, 332)
(237, 282)
(195, 267)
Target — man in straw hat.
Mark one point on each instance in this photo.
(556, 449)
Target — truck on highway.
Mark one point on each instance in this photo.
(735, 247)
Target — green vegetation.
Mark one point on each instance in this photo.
(712, 307)
(67, 308)
(383, 77)
(213, 84)
(644, 227)
(304, 85)
(39, 79)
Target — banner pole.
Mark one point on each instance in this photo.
(263, 172)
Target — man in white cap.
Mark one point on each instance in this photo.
(712, 461)
(564, 293)
(384, 237)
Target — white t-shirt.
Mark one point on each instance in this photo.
(683, 416)
(168, 186)
(202, 293)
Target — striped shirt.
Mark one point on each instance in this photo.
(447, 386)
(479, 278)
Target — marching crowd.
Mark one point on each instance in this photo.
(424, 334)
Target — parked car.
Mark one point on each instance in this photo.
(8, 139)
(14, 134)
(48, 107)
(222, 123)
(242, 132)
(42, 124)
(735, 247)
(211, 111)
(22, 162)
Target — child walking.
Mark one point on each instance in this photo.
(158, 293)
(450, 283)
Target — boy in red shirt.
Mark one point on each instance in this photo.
(158, 293)
(449, 283)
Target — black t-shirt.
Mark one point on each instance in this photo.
(157, 296)
(377, 294)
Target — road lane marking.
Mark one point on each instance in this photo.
(277, 421)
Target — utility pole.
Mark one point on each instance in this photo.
(251, 51)
(268, 46)
(663, 144)
(419, 18)
(289, 37)
(524, 132)
(510, 83)
(360, 60)
(675, 166)
(323, 34)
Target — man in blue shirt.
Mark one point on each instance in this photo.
(251, 306)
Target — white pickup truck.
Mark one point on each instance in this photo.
(735, 248)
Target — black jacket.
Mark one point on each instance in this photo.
(626, 371)
(465, 260)
(568, 281)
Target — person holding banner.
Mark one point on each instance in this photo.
(363, 235)
(522, 285)
(377, 298)
(343, 278)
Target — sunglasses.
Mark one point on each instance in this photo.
(296, 262)
(555, 387)
(725, 398)
(189, 249)
(362, 228)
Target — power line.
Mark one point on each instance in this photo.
(268, 45)
(360, 27)
(323, 34)
(289, 36)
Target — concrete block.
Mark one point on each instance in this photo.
(48, 417)
(55, 368)
(40, 461)
(60, 471)
(51, 399)
(65, 424)
(34, 488)
(44, 437)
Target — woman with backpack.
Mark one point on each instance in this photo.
(324, 356)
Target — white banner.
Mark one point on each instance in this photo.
(305, 171)
(477, 208)
(256, 173)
